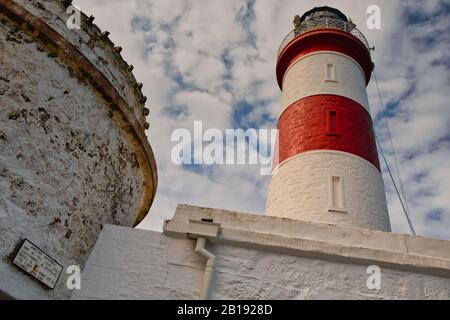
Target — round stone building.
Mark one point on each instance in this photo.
(73, 150)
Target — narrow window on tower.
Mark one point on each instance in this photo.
(332, 123)
(336, 194)
(330, 72)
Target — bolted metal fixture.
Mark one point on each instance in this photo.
(91, 19)
(140, 85)
(105, 34)
(67, 3)
(130, 67)
(146, 126)
(146, 111)
(144, 99)
(118, 49)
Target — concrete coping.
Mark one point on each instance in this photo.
(315, 240)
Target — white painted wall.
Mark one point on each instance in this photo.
(299, 189)
(137, 264)
(306, 77)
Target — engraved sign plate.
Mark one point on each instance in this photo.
(38, 264)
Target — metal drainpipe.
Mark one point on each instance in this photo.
(209, 268)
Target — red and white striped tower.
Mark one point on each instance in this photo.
(327, 169)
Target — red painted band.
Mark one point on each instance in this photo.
(324, 40)
(326, 122)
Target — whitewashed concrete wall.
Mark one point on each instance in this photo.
(138, 264)
(306, 77)
(299, 189)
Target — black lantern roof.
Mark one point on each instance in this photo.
(325, 11)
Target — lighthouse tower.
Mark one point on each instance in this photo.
(327, 169)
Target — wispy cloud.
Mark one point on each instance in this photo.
(214, 61)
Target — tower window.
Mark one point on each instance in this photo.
(336, 194)
(330, 72)
(332, 123)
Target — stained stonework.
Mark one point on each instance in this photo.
(73, 153)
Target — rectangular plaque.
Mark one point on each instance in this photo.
(38, 264)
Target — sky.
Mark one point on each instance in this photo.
(214, 61)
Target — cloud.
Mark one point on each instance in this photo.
(215, 60)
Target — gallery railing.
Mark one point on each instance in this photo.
(324, 23)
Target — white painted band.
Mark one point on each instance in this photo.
(300, 189)
(308, 76)
(331, 152)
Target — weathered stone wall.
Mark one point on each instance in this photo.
(138, 264)
(96, 47)
(67, 166)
